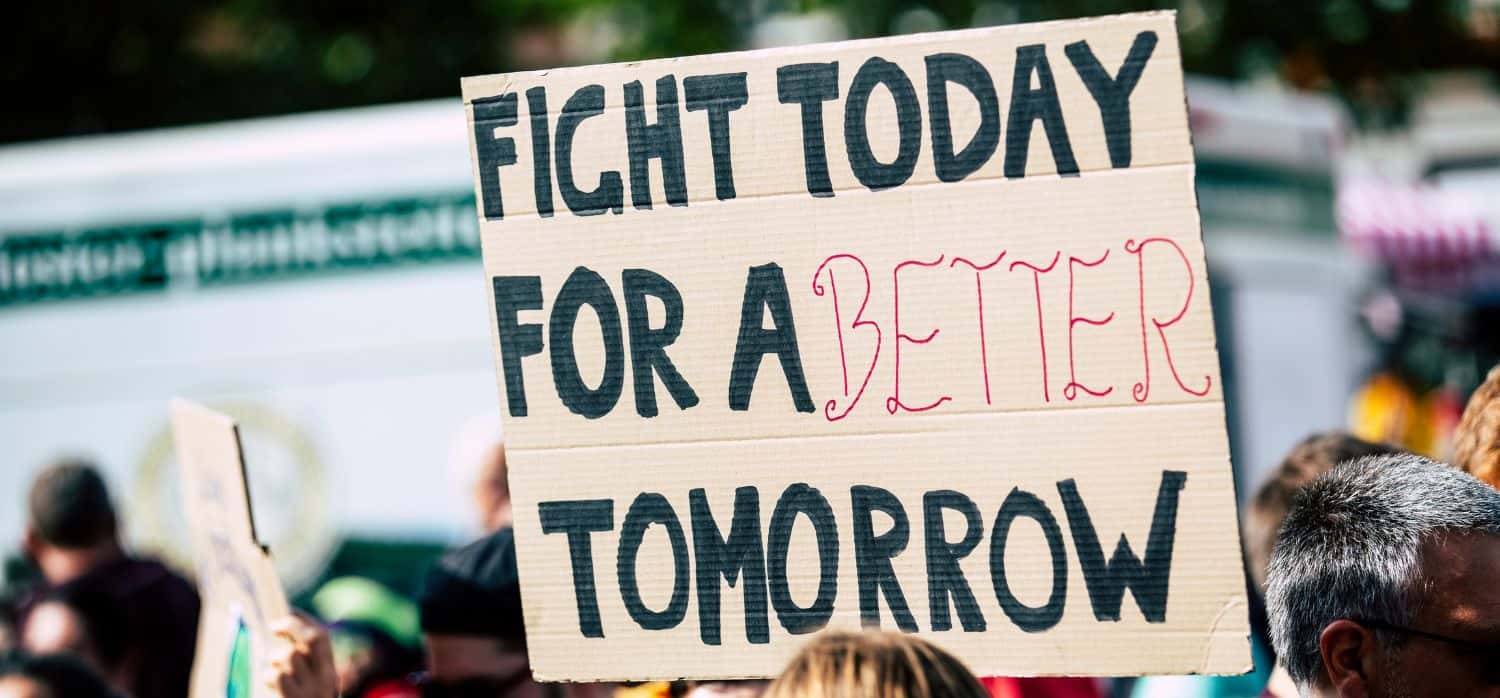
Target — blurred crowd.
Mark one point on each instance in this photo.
(1370, 573)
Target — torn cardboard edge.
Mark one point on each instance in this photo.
(240, 590)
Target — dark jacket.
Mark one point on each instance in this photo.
(158, 614)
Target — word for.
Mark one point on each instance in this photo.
(766, 298)
(755, 558)
(806, 87)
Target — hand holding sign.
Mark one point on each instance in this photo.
(300, 660)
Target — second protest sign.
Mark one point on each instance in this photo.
(910, 333)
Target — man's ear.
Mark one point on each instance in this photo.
(1347, 648)
(31, 543)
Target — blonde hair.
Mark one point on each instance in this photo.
(877, 665)
(1476, 442)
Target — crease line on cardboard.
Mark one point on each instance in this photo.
(529, 213)
(926, 427)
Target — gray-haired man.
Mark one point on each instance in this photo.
(1385, 581)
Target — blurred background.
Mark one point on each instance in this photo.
(268, 206)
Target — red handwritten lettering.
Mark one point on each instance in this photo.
(1142, 390)
(984, 359)
(1041, 329)
(893, 402)
(831, 406)
(1070, 391)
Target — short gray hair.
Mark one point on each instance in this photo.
(1351, 548)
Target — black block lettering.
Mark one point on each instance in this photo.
(578, 519)
(1147, 580)
(959, 69)
(512, 295)
(662, 140)
(872, 556)
(647, 509)
(491, 152)
(609, 195)
(872, 173)
(1113, 94)
(945, 578)
(648, 346)
(765, 287)
(801, 499)
(810, 85)
(718, 95)
(1028, 618)
(1028, 105)
(541, 149)
(586, 287)
(739, 556)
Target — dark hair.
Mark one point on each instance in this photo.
(1352, 548)
(1476, 441)
(107, 625)
(70, 506)
(1313, 456)
(63, 676)
(476, 591)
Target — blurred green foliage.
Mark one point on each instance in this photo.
(83, 66)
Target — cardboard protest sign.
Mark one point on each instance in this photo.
(910, 333)
(236, 577)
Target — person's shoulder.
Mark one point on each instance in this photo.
(166, 579)
(136, 578)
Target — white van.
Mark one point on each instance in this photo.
(316, 275)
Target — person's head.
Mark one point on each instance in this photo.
(742, 688)
(471, 621)
(71, 521)
(58, 676)
(492, 490)
(365, 655)
(1313, 456)
(1383, 582)
(874, 664)
(375, 631)
(85, 625)
(1476, 442)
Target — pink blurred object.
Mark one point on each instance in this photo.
(1431, 238)
(1042, 687)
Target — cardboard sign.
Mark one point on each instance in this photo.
(910, 333)
(236, 577)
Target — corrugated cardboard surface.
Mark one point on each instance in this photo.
(1123, 311)
(236, 577)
